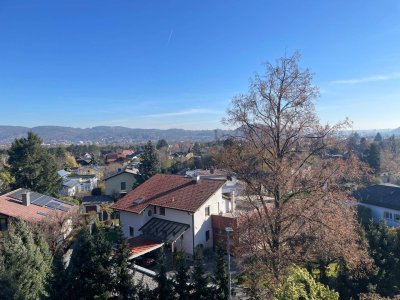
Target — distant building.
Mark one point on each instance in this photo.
(383, 200)
(120, 182)
(96, 203)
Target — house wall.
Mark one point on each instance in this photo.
(202, 223)
(113, 184)
(128, 219)
(378, 214)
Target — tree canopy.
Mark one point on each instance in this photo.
(281, 154)
(25, 263)
(150, 164)
(32, 166)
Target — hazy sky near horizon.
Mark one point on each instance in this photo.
(177, 64)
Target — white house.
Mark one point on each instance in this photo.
(120, 182)
(69, 187)
(171, 210)
(384, 202)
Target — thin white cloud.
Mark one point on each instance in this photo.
(368, 79)
(170, 36)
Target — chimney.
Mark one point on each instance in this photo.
(26, 198)
(195, 178)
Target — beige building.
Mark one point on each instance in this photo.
(121, 182)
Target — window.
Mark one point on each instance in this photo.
(155, 210)
(123, 186)
(149, 213)
(162, 211)
(207, 235)
(207, 210)
(397, 217)
(388, 215)
(131, 231)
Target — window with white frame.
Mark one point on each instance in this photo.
(207, 211)
(388, 215)
(397, 217)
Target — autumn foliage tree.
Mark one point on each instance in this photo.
(300, 210)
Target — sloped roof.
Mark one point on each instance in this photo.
(382, 195)
(11, 205)
(97, 199)
(170, 191)
(70, 182)
(121, 171)
(163, 230)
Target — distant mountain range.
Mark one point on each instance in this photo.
(123, 135)
(107, 134)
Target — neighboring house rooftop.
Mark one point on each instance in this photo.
(70, 183)
(170, 191)
(63, 173)
(97, 199)
(41, 206)
(382, 195)
(120, 171)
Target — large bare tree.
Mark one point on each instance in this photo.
(301, 210)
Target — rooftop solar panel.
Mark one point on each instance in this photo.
(63, 208)
(53, 204)
(41, 201)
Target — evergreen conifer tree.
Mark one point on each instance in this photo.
(221, 277)
(200, 282)
(164, 289)
(181, 280)
(374, 157)
(90, 270)
(123, 269)
(150, 164)
(25, 263)
(32, 166)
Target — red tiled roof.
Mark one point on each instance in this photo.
(14, 208)
(140, 245)
(170, 191)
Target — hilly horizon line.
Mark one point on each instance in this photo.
(110, 126)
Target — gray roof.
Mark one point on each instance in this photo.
(62, 173)
(382, 195)
(97, 199)
(70, 182)
(43, 200)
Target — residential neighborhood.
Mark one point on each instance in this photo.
(203, 150)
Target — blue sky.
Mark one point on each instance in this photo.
(177, 64)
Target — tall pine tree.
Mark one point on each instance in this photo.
(181, 279)
(32, 166)
(123, 269)
(164, 289)
(90, 272)
(221, 277)
(25, 263)
(150, 164)
(199, 279)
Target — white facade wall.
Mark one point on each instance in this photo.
(136, 221)
(202, 223)
(378, 214)
(113, 184)
(194, 236)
